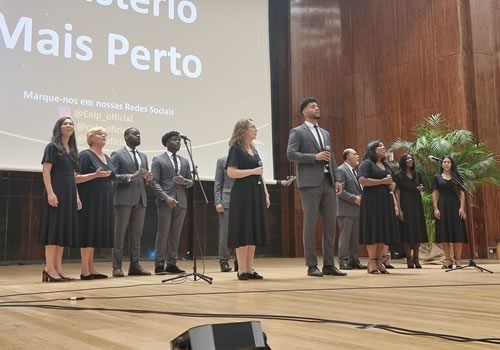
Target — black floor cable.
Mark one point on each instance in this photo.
(361, 325)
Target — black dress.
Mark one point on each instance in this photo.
(247, 208)
(96, 218)
(413, 229)
(59, 224)
(451, 228)
(378, 222)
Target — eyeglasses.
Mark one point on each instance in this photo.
(101, 134)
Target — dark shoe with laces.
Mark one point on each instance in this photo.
(160, 270)
(344, 265)
(332, 271)
(224, 266)
(358, 266)
(313, 271)
(138, 271)
(172, 268)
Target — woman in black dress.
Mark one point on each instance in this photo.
(378, 222)
(448, 199)
(249, 198)
(96, 218)
(60, 198)
(412, 227)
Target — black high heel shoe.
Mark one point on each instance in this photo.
(370, 271)
(86, 278)
(48, 278)
(382, 267)
(385, 262)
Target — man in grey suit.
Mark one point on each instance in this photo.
(171, 176)
(131, 174)
(348, 203)
(222, 193)
(309, 146)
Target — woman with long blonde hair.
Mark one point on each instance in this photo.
(249, 198)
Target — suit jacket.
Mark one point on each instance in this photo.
(351, 189)
(163, 180)
(223, 183)
(302, 148)
(128, 193)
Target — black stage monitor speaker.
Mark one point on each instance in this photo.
(223, 336)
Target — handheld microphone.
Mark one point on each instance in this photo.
(436, 159)
(260, 177)
(184, 137)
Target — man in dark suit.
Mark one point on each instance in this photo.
(171, 176)
(309, 146)
(222, 193)
(348, 203)
(131, 174)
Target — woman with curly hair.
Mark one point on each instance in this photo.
(249, 198)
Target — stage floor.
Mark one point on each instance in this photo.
(324, 313)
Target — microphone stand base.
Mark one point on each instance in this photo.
(473, 264)
(196, 275)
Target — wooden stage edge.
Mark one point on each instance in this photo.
(359, 311)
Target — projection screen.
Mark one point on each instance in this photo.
(193, 66)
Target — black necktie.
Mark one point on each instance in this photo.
(176, 165)
(319, 138)
(356, 177)
(327, 166)
(135, 159)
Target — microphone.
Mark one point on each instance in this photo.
(260, 177)
(436, 159)
(327, 165)
(184, 137)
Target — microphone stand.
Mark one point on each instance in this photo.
(196, 275)
(472, 244)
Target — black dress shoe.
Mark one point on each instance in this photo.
(138, 271)
(358, 266)
(242, 276)
(98, 276)
(332, 271)
(313, 271)
(224, 267)
(172, 268)
(86, 278)
(118, 273)
(344, 265)
(254, 276)
(160, 270)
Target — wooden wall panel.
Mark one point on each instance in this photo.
(447, 40)
(481, 26)
(485, 85)
(421, 50)
(401, 31)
